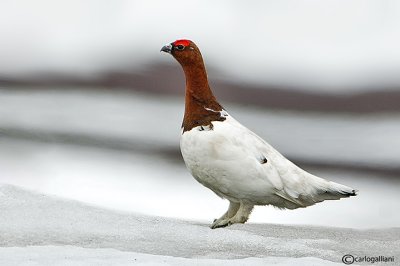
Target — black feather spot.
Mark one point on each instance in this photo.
(263, 160)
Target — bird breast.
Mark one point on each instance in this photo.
(217, 158)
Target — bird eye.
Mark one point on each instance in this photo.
(180, 47)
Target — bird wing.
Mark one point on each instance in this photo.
(294, 186)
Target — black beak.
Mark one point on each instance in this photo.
(167, 48)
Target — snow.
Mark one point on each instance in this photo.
(77, 256)
(89, 180)
(368, 139)
(119, 180)
(38, 229)
(114, 157)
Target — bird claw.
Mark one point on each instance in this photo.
(221, 223)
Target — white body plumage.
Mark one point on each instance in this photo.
(238, 165)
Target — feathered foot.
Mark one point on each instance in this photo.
(237, 213)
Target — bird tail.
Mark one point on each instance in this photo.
(320, 190)
(337, 191)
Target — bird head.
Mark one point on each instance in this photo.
(184, 51)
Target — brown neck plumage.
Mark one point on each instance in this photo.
(201, 106)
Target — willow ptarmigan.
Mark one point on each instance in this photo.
(235, 163)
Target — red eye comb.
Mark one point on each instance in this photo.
(182, 42)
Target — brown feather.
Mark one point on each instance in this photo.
(198, 95)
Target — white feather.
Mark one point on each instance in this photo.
(227, 158)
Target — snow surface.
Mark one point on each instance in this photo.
(106, 160)
(37, 229)
(74, 256)
(370, 139)
(129, 181)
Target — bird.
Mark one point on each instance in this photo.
(231, 160)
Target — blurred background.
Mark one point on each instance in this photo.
(90, 109)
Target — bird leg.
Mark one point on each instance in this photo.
(232, 210)
(241, 212)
